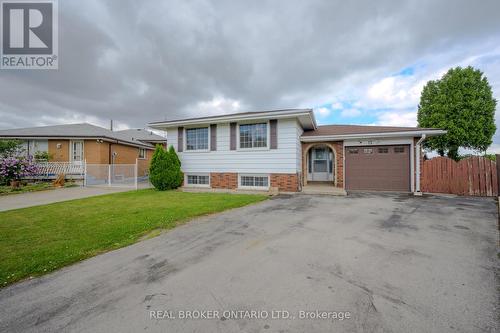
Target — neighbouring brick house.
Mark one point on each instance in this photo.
(286, 150)
(77, 143)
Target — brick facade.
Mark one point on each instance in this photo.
(338, 148)
(59, 150)
(224, 180)
(99, 153)
(286, 182)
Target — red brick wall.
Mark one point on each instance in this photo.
(224, 180)
(338, 146)
(286, 182)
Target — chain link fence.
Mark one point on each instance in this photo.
(117, 175)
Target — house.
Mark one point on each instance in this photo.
(287, 150)
(77, 143)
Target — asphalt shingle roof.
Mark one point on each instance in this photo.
(82, 130)
(358, 129)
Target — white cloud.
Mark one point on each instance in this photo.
(494, 149)
(217, 105)
(323, 112)
(397, 118)
(336, 105)
(395, 92)
(352, 112)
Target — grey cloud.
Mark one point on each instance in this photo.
(139, 61)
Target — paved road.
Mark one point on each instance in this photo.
(396, 263)
(29, 199)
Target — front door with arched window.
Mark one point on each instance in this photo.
(320, 164)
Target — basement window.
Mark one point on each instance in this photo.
(197, 180)
(258, 182)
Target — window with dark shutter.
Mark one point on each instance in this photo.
(273, 123)
(232, 136)
(213, 137)
(180, 141)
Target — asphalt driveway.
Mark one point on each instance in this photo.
(394, 262)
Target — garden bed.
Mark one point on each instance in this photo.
(31, 187)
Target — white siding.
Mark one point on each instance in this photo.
(300, 130)
(285, 159)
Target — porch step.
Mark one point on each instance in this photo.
(323, 189)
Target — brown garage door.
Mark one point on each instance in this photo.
(382, 168)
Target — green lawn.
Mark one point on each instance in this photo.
(37, 240)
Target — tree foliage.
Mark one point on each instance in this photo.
(165, 169)
(462, 103)
(9, 147)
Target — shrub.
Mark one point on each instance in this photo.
(177, 175)
(15, 168)
(165, 169)
(43, 156)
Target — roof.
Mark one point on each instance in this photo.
(142, 135)
(83, 130)
(305, 117)
(356, 131)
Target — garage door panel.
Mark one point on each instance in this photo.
(385, 168)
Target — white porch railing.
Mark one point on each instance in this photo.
(53, 169)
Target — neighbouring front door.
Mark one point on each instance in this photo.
(77, 152)
(320, 164)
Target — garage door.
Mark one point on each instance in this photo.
(380, 168)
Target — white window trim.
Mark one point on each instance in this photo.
(71, 151)
(257, 188)
(186, 184)
(268, 139)
(196, 150)
(145, 154)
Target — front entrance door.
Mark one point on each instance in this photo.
(77, 152)
(320, 164)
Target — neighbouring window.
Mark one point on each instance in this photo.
(198, 179)
(399, 150)
(142, 153)
(197, 138)
(253, 135)
(368, 150)
(254, 181)
(352, 151)
(383, 150)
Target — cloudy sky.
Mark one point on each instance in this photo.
(359, 62)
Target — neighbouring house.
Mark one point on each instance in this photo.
(287, 150)
(77, 143)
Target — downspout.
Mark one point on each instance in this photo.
(418, 151)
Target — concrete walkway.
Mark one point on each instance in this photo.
(29, 199)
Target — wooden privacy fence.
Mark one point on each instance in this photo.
(475, 176)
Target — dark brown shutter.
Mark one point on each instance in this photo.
(274, 133)
(213, 137)
(232, 136)
(180, 141)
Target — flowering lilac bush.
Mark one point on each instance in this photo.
(15, 168)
